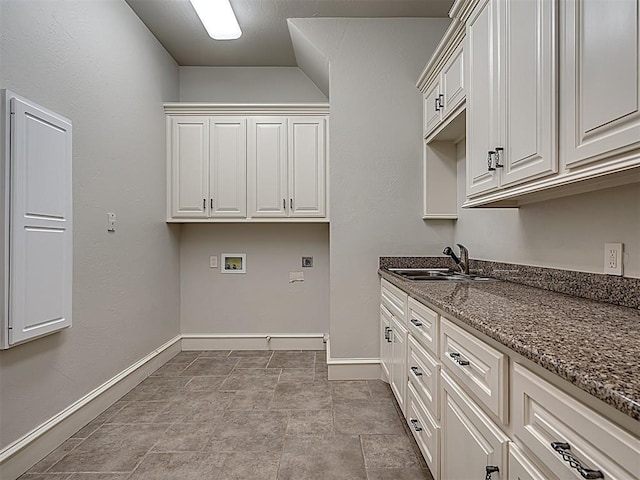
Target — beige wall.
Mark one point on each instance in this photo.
(97, 64)
(376, 163)
(262, 300)
(247, 85)
(567, 233)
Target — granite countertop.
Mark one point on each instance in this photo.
(593, 345)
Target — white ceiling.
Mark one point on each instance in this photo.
(265, 37)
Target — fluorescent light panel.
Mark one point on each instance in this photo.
(218, 18)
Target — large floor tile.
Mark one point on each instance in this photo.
(139, 412)
(297, 375)
(46, 463)
(251, 353)
(258, 465)
(291, 396)
(287, 359)
(251, 379)
(179, 466)
(99, 476)
(362, 417)
(310, 422)
(209, 366)
(398, 474)
(205, 383)
(192, 411)
(249, 431)
(170, 370)
(388, 451)
(112, 448)
(251, 400)
(322, 457)
(186, 437)
(185, 357)
(350, 390)
(100, 420)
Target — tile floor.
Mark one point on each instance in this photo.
(221, 415)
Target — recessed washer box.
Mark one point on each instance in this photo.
(233, 263)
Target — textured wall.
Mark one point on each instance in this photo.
(247, 85)
(376, 163)
(97, 64)
(262, 300)
(567, 233)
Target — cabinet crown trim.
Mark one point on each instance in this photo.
(247, 109)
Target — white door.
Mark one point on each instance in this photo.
(528, 89)
(228, 167)
(399, 362)
(600, 87)
(470, 441)
(306, 166)
(481, 75)
(189, 167)
(41, 237)
(431, 113)
(267, 167)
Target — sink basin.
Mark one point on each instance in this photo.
(437, 275)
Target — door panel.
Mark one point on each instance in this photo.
(41, 241)
(228, 177)
(306, 167)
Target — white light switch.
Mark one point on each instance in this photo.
(213, 261)
(111, 222)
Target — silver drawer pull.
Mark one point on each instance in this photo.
(416, 425)
(416, 322)
(563, 449)
(458, 359)
(416, 371)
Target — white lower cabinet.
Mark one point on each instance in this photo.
(472, 444)
(385, 343)
(399, 362)
(425, 430)
(472, 419)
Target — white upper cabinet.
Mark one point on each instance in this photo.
(511, 109)
(189, 162)
(238, 163)
(307, 167)
(452, 88)
(600, 79)
(37, 205)
(228, 167)
(268, 167)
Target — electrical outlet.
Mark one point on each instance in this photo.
(613, 258)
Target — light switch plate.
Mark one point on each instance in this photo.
(213, 261)
(111, 222)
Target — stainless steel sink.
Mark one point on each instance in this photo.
(437, 275)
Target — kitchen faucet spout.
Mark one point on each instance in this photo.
(462, 263)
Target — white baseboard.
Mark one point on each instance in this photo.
(260, 341)
(25, 452)
(352, 368)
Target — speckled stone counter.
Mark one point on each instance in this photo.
(593, 345)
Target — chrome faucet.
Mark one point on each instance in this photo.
(463, 262)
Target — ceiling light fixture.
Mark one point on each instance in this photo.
(218, 19)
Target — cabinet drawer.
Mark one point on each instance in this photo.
(394, 299)
(425, 430)
(479, 367)
(542, 415)
(424, 375)
(423, 325)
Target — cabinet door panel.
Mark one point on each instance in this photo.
(306, 167)
(528, 113)
(431, 115)
(385, 343)
(467, 431)
(267, 158)
(601, 89)
(522, 468)
(453, 83)
(399, 363)
(190, 167)
(227, 176)
(480, 108)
